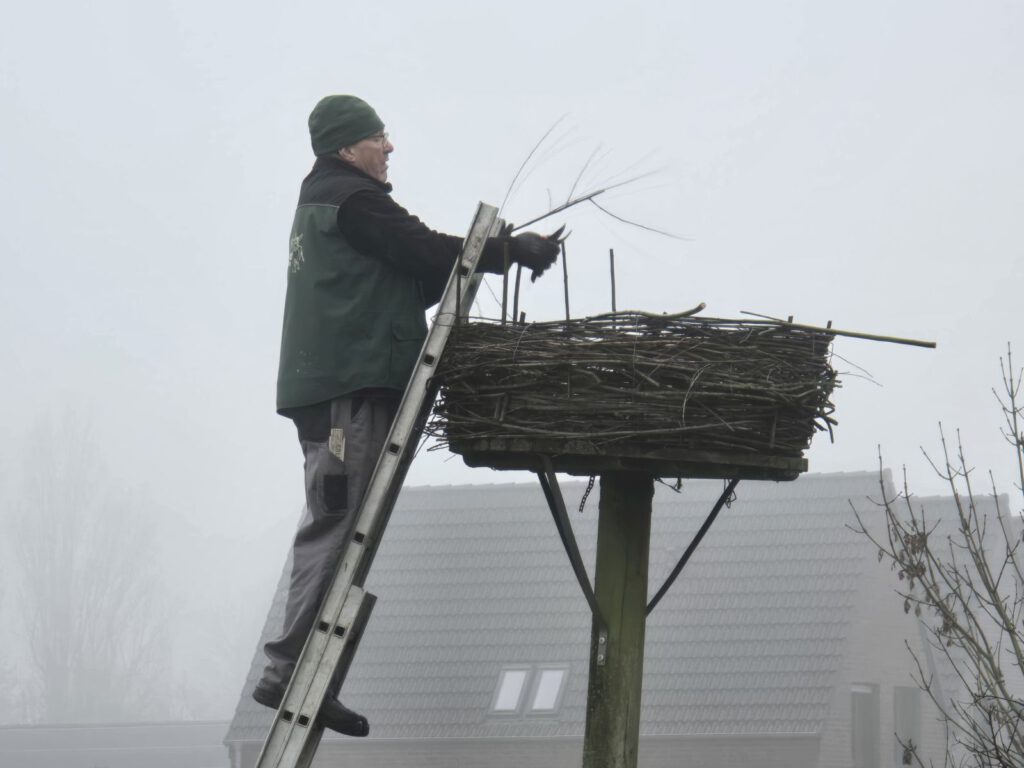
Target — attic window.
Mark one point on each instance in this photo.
(535, 690)
(548, 692)
(510, 690)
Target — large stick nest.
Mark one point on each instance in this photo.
(649, 382)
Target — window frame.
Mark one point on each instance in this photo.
(524, 687)
(538, 675)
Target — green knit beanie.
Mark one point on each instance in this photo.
(341, 121)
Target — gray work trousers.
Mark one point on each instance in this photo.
(341, 441)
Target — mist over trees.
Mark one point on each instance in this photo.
(11, 691)
(115, 605)
(85, 578)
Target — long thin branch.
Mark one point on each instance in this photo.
(522, 166)
(583, 170)
(635, 223)
(581, 199)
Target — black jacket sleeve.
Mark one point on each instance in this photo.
(377, 226)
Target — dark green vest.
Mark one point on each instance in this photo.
(350, 321)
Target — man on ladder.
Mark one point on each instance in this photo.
(361, 273)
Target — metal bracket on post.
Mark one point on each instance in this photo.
(602, 646)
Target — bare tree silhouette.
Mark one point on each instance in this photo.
(965, 578)
(90, 594)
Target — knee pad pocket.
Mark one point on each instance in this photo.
(335, 493)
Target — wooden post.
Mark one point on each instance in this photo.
(620, 584)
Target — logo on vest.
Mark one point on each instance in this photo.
(295, 257)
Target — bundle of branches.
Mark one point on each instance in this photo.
(649, 382)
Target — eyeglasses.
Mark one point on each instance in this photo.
(381, 138)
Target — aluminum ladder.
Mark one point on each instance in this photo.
(332, 642)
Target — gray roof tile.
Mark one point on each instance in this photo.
(472, 579)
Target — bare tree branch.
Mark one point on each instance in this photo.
(965, 581)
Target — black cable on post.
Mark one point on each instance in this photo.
(553, 494)
(726, 494)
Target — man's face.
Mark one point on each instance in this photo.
(370, 155)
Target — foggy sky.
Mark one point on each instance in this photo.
(860, 163)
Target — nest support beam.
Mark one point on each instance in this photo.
(553, 494)
(618, 604)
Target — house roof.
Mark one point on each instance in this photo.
(473, 579)
(155, 745)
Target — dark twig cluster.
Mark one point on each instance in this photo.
(652, 382)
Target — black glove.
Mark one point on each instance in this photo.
(536, 252)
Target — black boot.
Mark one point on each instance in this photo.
(333, 714)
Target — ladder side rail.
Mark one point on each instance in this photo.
(293, 736)
(403, 439)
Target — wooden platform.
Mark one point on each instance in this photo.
(583, 458)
